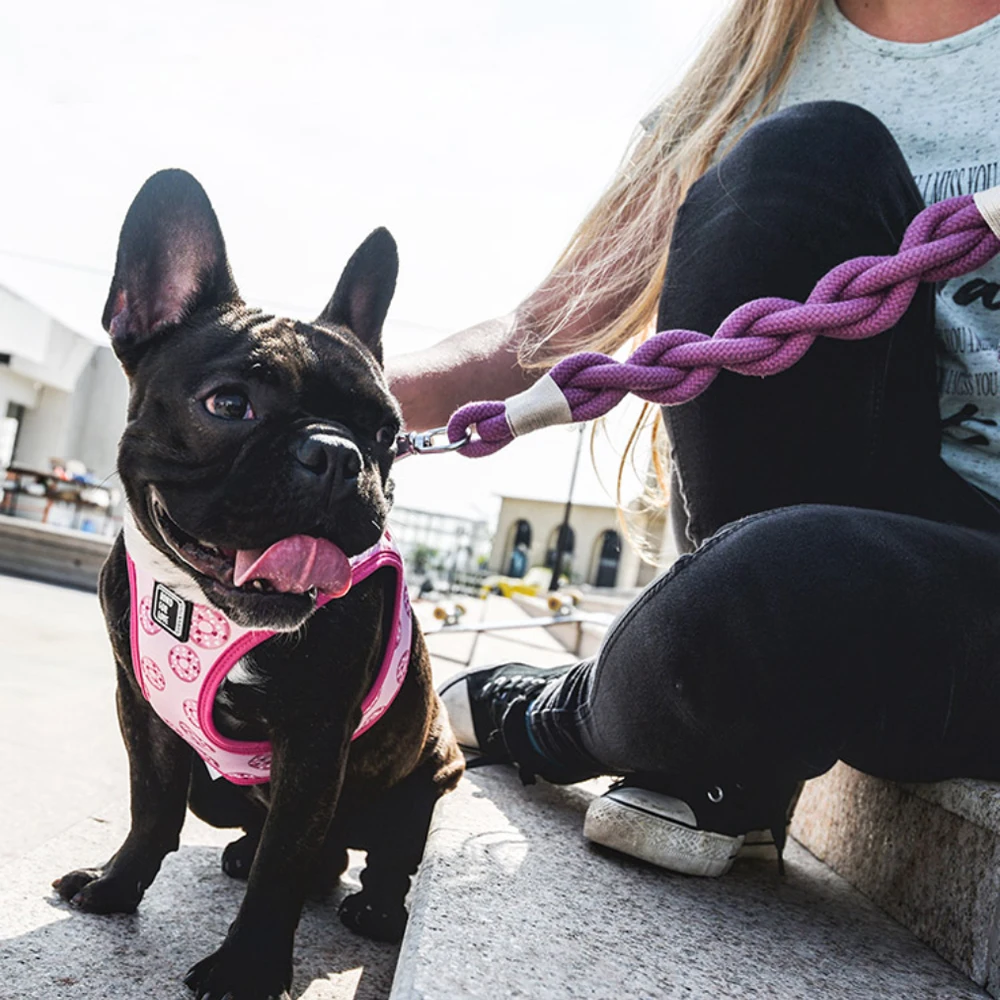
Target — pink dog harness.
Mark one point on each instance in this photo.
(183, 648)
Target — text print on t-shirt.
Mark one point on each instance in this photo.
(968, 330)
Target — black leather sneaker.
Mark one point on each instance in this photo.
(486, 707)
(691, 826)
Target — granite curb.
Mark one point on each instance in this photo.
(511, 901)
(929, 855)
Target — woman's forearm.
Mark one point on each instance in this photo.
(477, 363)
(482, 361)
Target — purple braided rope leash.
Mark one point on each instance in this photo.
(856, 300)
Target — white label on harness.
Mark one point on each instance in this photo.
(543, 405)
(988, 203)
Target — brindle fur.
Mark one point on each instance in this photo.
(239, 487)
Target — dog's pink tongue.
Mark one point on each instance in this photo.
(295, 564)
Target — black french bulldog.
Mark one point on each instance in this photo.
(245, 429)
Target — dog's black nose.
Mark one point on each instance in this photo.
(332, 459)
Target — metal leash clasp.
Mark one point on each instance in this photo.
(423, 442)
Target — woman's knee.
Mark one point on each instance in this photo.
(721, 647)
(817, 133)
(749, 575)
(829, 146)
(784, 548)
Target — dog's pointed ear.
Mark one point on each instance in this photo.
(365, 290)
(171, 262)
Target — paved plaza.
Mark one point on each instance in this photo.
(64, 805)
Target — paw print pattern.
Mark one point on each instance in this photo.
(146, 618)
(191, 711)
(209, 628)
(243, 776)
(262, 762)
(184, 663)
(152, 674)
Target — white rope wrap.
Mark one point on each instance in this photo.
(540, 406)
(988, 203)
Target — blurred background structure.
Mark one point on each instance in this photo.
(63, 398)
(62, 409)
(597, 550)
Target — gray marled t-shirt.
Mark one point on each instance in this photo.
(941, 101)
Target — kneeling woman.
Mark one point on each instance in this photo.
(838, 598)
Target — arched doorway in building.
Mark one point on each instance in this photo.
(607, 554)
(515, 561)
(568, 546)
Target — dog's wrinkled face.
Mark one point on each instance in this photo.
(258, 449)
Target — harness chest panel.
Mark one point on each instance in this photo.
(183, 648)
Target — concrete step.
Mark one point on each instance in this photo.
(511, 901)
(50, 951)
(929, 855)
(56, 555)
(582, 639)
(64, 804)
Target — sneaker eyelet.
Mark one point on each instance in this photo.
(716, 795)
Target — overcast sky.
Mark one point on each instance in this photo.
(478, 132)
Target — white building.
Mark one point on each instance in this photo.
(600, 552)
(62, 393)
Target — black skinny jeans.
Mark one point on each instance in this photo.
(843, 597)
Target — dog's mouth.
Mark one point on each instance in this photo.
(299, 564)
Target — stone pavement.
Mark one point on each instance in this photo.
(49, 951)
(511, 900)
(58, 731)
(64, 798)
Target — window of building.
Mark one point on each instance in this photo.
(567, 546)
(608, 553)
(10, 428)
(516, 563)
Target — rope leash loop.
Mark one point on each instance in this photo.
(857, 299)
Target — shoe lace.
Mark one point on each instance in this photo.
(508, 686)
(508, 698)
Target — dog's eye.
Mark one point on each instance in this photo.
(230, 404)
(386, 436)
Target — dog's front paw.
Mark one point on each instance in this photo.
(91, 890)
(233, 974)
(366, 914)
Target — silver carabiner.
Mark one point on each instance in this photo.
(423, 443)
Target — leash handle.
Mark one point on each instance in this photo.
(858, 299)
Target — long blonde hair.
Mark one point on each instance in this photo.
(612, 270)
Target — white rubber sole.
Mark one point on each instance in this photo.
(659, 829)
(454, 695)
